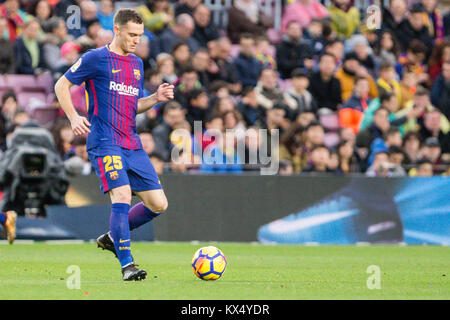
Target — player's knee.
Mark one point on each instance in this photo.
(159, 206)
(122, 195)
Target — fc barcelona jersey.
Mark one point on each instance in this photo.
(113, 85)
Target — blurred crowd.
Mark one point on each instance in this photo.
(345, 96)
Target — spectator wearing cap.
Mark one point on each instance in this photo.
(53, 41)
(29, 55)
(303, 11)
(440, 92)
(364, 53)
(299, 91)
(347, 73)
(352, 111)
(414, 28)
(244, 16)
(324, 86)
(344, 18)
(293, 52)
(431, 150)
(69, 55)
(181, 31)
(247, 66)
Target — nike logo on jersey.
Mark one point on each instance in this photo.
(115, 71)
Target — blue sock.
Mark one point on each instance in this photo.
(2, 218)
(140, 215)
(120, 232)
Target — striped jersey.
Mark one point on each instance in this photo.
(113, 85)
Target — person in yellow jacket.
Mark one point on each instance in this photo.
(345, 18)
(157, 14)
(387, 82)
(347, 74)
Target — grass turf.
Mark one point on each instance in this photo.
(38, 271)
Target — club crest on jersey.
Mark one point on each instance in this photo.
(113, 175)
(137, 74)
(76, 65)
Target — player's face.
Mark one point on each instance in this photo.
(129, 35)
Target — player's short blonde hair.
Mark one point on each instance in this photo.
(125, 15)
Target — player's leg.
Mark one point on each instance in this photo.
(154, 202)
(8, 221)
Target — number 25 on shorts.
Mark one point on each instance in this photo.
(111, 163)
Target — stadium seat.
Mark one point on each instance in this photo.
(331, 139)
(329, 121)
(29, 100)
(21, 81)
(2, 81)
(45, 115)
(45, 81)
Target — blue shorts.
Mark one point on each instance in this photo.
(116, 166)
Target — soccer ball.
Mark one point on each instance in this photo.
(209, 263)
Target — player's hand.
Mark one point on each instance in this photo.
(80, 125)
(165, 92)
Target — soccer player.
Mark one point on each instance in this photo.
(113, 78)
(8, 221)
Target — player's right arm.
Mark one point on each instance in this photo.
(83, 70)
(80, 125)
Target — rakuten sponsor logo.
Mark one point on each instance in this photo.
(122, 88)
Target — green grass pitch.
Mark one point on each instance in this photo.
(254, 272)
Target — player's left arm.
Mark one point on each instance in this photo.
(163, 94)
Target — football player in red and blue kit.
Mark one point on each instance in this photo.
(113, 78)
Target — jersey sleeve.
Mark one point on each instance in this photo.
(84, 69)
(141, 82)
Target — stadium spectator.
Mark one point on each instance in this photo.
(148, 143)
(181, 31)
(64, 138)
(42, 11)
(305, 118)
(268, 94)
(198, 102)
(348, 162)
(314, 134)
(275, 119)
(291, 148)
(303, 11)
(336, 49)
(414, 28)
(7, 54)
(387, 49)
(408, 87)
(29, 54)
(387, 82)
(188, 81)
(78, 163)
(9, 106)
(186, 7)
(431, 150)
(165, 67)
(10, 9)
(351, 112)
(105, 14)
(293, 52)
(247, 66)
(143, 52)
(251, 111)
(244, 16)
(299, 91)
(344, 18)
(173, 115)
(222, 156)
(226, 70)
(434, 19)
(264, 52)
(413, 61)
(52, 42)
(205, 30)
(88, 11)
(319, 159)
(181, 56)
(87, 40)
(424, 168)
(285, 168)
(394, 15)
(377, 129)
(440, 92)
(437, 126)
(69, 54)
(324, 86)
(411, 146)
(157, 162)
(347, 73)
(157, 14)
(439, 55)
